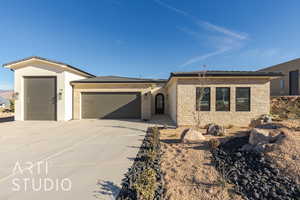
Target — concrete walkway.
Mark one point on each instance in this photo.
(76, 160)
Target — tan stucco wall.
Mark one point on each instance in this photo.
(68, 93)
(158, 89)
(186, 97)
(147, 100)
(172, 100)
(285, 68)
(63, 78)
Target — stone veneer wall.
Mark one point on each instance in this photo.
(186, 97)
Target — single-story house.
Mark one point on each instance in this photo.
(289, 83)
(51, 90)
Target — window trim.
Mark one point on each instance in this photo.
(281, 83)
(229, 103)
(249, 99)
(197, 101)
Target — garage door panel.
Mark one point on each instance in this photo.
(40, 98)
(110, 105)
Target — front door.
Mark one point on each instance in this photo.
(294, 82)
(159, 104)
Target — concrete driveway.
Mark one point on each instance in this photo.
(73, 160)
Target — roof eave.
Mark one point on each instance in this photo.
(132, 82)
(10, 65)
(226, 75)
(187, 75)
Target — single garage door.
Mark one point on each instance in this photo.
(40, 98)
(111, 105)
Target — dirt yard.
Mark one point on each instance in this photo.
(189, 174)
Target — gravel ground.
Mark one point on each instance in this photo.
(188, 173)
(254, 174)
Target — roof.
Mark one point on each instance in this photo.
(225, 73)
(118, 79)
(294, 61)
(48, 60)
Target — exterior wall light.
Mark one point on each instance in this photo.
(60, 94)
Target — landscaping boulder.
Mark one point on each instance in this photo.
(261, 140)
(214, 129)
(266, 118)
(259, 136)
(191, 136)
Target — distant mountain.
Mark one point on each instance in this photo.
(6, 94)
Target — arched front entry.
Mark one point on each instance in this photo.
(159, 104)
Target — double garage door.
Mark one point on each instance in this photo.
(111, 105)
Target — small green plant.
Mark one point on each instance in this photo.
(12, 105)
(214, 143)
(145, 185)
(152, 155)
(155, 137)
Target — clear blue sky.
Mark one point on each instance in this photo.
(150, 38)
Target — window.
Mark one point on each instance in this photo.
(203, 99)
(281, 84)
(223, 99)
(243, 99)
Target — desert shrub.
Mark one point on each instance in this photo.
(145, 185)
(143, 181)
(12, 105)
(214, 143)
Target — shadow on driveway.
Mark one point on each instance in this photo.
(107, 188)
(7, 119)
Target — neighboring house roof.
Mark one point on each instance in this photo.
(118, 79)
(225, 74)
(47, 60)
(295, 62)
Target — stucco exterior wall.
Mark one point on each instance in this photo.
(68, 94)
(172, 100)
(145, 90)
(285, 68)
(64, 103)
(36, 70)
(159, 89)
(186, 97)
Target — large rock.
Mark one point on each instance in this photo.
(191, 136)
(259, 136)
(266, 118)
(261, 140)
(214, 129)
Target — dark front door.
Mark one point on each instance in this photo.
(40, 98)
(294, 82)
(111, 105)
(159, 104)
